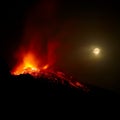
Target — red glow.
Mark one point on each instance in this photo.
(29, 64)
(41, 47)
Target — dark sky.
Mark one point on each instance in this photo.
(92, 23)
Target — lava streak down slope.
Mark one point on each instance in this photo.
(46, 84)
(50, 85)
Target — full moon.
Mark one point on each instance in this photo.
(96, 51)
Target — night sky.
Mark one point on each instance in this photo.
(79, 26)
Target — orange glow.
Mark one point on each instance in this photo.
(29, 65)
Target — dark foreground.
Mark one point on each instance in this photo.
(25, 93)
(25, 90)
(27, 85)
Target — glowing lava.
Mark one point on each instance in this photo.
(29, 65)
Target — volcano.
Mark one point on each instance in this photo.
(29, 68)
(46, 82)
(40, 49)
(34, 74)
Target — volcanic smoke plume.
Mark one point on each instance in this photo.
(42, 38)
(38, 51)
(39, 41)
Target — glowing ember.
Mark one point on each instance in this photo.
(29, 65)
(45, 67)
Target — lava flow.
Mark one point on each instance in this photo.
(29, 65)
